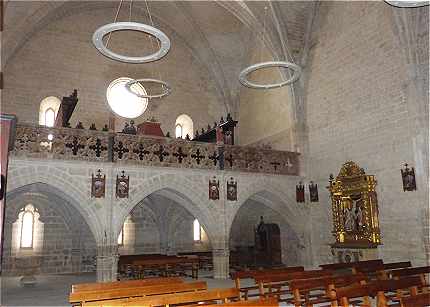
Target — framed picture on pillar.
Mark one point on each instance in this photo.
(231, 190)
(213, 188)
(122, 186)
(98, 184)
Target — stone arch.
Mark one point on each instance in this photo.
(192, 197)
(47, 189)
(60, 183)
(274, 196)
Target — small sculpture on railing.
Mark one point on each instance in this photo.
(105, 128)
(129, 128)
(93, 127)
(80, 126)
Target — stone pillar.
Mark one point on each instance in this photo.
(221, 263)
(107, 263)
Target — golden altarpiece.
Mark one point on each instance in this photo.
(355, 214)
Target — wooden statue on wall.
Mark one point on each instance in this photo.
(300, 193)
(232, 190)
(408, 178)
(122, 186)
(213, 188)
(98, 185)
(313, 192)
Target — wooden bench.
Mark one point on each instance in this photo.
(112, 294)
(279, 280)
(166, 265)
(271, 301)
(237, 276)
(223, 295)
(380, 271)
(417, 271)
(96, 286)
(316, 290)
(378, 288)
(350, 265)
(419, 300)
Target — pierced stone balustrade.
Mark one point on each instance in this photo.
(89, 145)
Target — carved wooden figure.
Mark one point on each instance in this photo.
(98, 184)
(122, 186)
(213, 189)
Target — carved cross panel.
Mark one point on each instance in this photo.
(75, 146)
(230, 160)
(98, 148)
(161, 153)
(180, 155)
(214, 158)
(140, 151)
(120, 149)
(197, 156)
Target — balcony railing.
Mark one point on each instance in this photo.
(97, 146)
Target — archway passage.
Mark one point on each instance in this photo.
(253, 244)
(60, 238)
(158, 226)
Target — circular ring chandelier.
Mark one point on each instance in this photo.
(165, 86)
(408, 4)
(134, 26)
(244, 73)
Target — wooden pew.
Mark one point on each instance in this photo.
(224, 295)
(316, 290)
(377, 288)
(350, 265)
(271, 301)
(96, 286)
(112, 294)
(279, 280)
(237, 276)
(380, 271)
(420, 300)
(166, 264)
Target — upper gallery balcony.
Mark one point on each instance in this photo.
(98, 146)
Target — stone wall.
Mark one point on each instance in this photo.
(61, 57)
(361, 105)
(62, 240)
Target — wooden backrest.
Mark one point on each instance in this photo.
(324, 282)
(343, 294)
(96, 286)
(252, 273)
(420, 300)
(397, 265)
(271, 301)
(410, 271)
(280, 277)
(344, 265)
(136, 292)
(178, 298)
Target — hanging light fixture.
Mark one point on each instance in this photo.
(408, 4)
(127, 97)
(243, 76)
(98, 35)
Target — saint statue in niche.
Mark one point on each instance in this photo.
(354, 219)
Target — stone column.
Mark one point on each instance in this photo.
(221, 263)
(107, 263)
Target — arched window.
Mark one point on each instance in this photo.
(121, 237)
(27, 227)
(186, 125)
(178, 130)
(48, 111)
(49, 117)
(197, 231)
